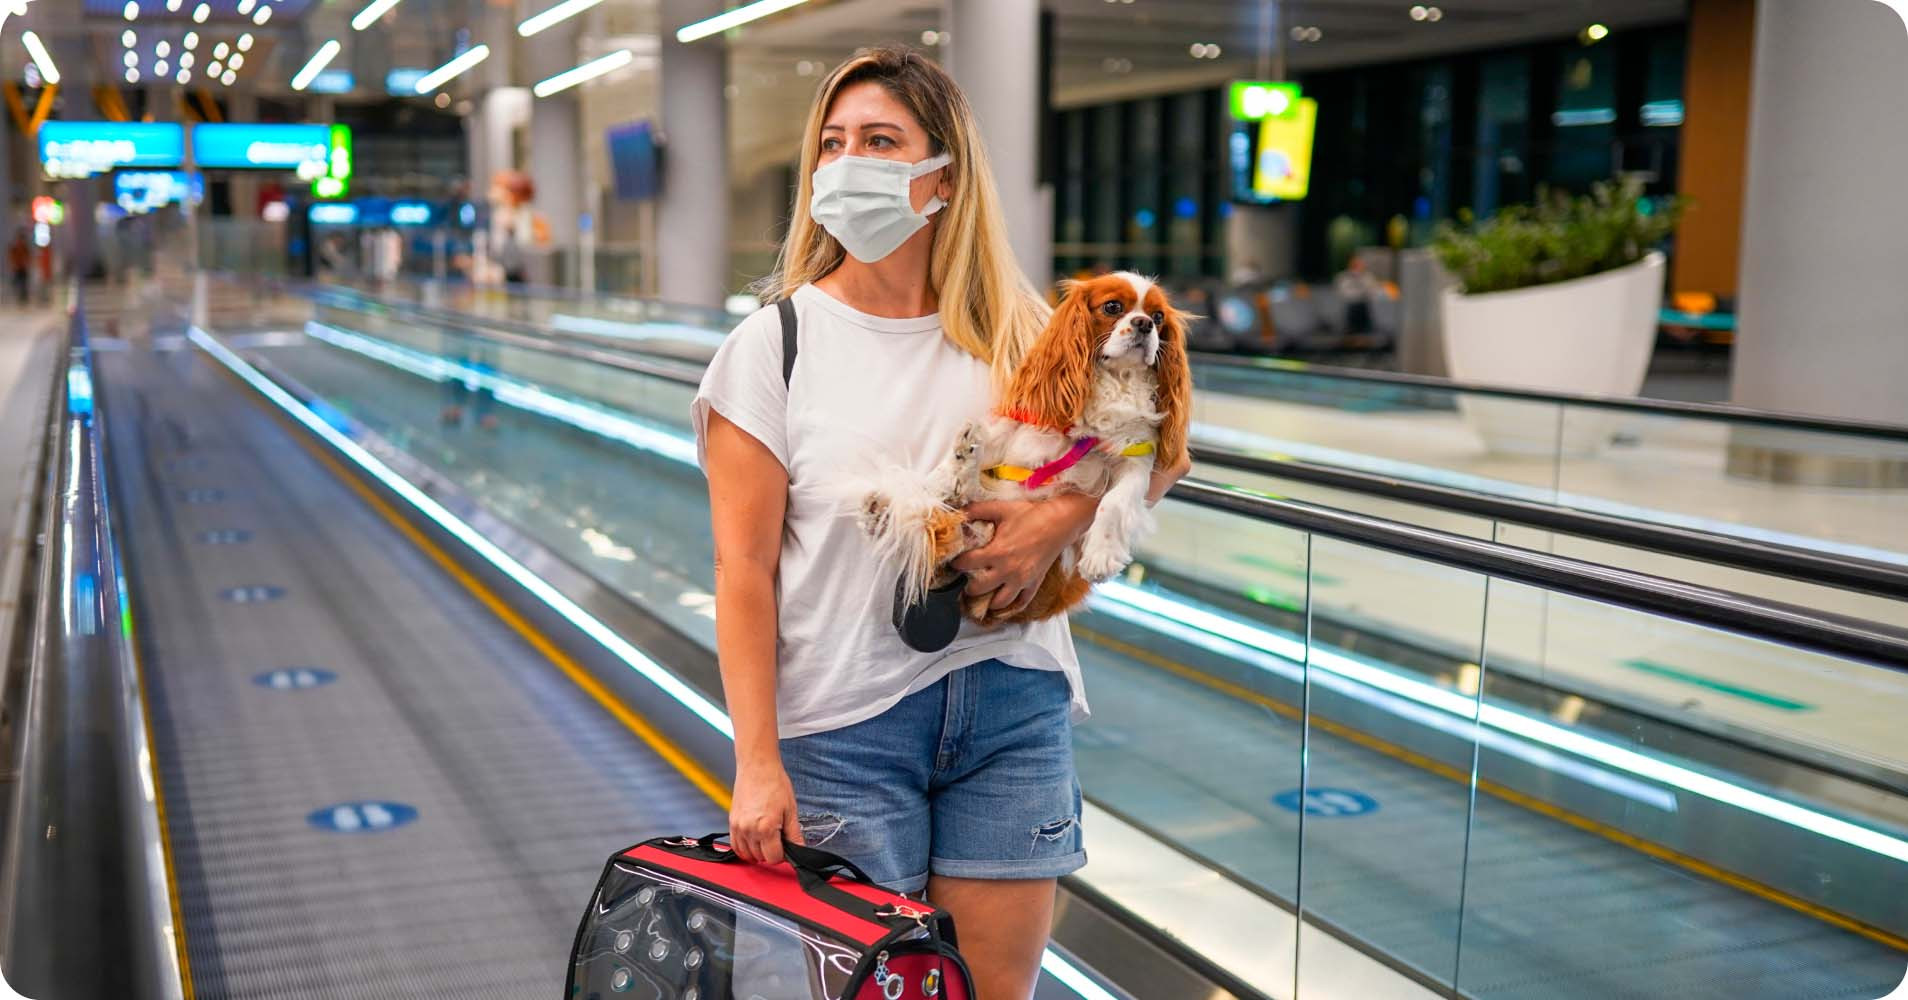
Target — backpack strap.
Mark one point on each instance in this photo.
(787, 308)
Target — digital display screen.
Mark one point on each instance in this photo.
(83, 149)
(140, 191)
(262, 147)
(1272, 158)
(633, 160)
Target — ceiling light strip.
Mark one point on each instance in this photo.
(734, 18)
(561, 12)
(41, 57)
(586, 72)
(316, 65)
(370, 14)
(452, 70)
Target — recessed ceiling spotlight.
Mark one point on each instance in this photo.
(214, 69)
(442, 100)
(1115, 65)
(236, 62)
(245, 42)
(132, 58)
(930, 37)
(173, 5)
(1421, 12)
(261, 15)
(185, 75)
(185, 60)
(201, 12)
(132, 10)
(129, 38)
(132, 74)
(228, 78)
(162, 49)
(219, 51)
(245, 6)
(160, 68)
(1204, 50)
(1596, 33)
(191, 40)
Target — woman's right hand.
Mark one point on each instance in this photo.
(762, 813)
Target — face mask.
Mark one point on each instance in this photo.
(864, 202)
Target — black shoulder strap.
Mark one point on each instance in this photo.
(787, 308)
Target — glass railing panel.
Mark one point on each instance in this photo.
(1386, 798)
(1677, 860)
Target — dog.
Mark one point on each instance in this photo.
(1101, 399)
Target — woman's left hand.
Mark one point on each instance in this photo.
(1028, 536)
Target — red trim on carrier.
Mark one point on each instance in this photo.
(778, 886)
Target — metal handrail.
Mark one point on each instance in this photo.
(1754, 617)
(1788, 562)
(88, 903)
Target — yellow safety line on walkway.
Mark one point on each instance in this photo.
(664, 747)
(159, 805)
(1510, 795)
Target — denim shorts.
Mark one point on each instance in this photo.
(971, 777)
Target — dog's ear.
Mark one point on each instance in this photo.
(1050, 387)
(1173, 392)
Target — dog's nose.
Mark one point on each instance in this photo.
(1142, 324)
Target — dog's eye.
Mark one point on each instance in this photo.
(1111, 308)
(1159, 319)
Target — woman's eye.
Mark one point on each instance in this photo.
(880, 142)
(1111, 308)
(830, 145)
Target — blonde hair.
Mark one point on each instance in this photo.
(988, 308)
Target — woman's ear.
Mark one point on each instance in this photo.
(1050, 386)
(1173, 393)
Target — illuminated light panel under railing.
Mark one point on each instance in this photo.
(1286, 656)
(316, 64)
(41, 57)
(584, 73)
(1055, 964)
(370, 14)
(453, 69)
(554, 15)
(733, 18)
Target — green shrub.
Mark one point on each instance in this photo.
(1558, 238)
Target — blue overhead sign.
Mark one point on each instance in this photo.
(139, 191)
(82, 149)
(403, 80)
(303, 148)
(332, 81)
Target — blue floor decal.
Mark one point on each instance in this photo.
(1326, 802)
(362, 817)
(294, 678)
(233, 537)
(255, 594)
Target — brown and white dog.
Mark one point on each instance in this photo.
(1102, 397)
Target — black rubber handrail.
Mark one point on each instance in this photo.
(1787, 561)
(1753, 617)
(1658, 407)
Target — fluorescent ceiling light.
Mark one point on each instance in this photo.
(41, 57)
(588, 71)
(453, 69)
(567, 9)
(370, 14)
(734, 18)
(316, 65)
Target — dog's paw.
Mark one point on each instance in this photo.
(1101, 559)
(975, 534)
(874, 513)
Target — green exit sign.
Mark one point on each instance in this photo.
(1255, 100)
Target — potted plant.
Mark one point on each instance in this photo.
(1561, 295)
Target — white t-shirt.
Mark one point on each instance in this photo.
(865, 390)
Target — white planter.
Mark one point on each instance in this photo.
(1590, 336)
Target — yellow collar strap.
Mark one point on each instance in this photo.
(1019, 474)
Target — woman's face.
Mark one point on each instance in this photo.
(866, 120)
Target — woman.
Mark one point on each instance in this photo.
(949, 772)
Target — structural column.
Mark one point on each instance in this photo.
(691, 240)
(1822, 300)
(555, 142)
(995, 57)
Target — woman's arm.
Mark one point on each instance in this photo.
(748, 497)
(1030, 534)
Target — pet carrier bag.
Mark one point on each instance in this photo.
(685, 919)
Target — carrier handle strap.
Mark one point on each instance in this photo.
(805, 860)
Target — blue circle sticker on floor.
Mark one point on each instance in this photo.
(254, 594)
(1326, 802)
(362, 817)
(294, 678)
(233, 537)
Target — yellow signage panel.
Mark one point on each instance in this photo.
(1282, 168)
